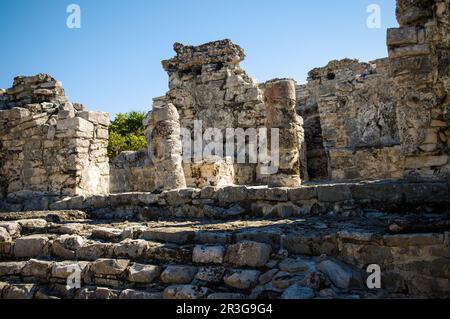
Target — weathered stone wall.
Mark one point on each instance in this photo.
(131, 172)
(207, 84)
(419, 55)
(49, 145)
(350, 121)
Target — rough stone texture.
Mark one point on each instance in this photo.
(207, 85)
(166, 147)
(248, 253)
(30, 246)
(178, 275)
(143, 273)
(341, 275)
(350, 122)
(109, 267)
(185, 292)
(242, 279)
(47, 146)
(419, 58)
(280, 99)
(298, 292)
(131, 172)
(321, 257)
(208, 254)
(362, 120)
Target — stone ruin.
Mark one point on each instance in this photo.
(364, 178)
(49, 146)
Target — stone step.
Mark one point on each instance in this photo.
(232, 202)
(417, 262)
(51, 216)
(55, 216)
(297, 277)
(177, 240)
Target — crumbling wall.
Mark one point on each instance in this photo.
(49, 145)
(207, 84)
(350, 121)
(419, 58)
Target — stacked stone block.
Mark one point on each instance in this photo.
(207, 84)
(49, 145)
(419, 60)
(280, 99)
(166, 147)
(350, 122)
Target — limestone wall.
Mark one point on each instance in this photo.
(350, 121)
(207, 84)
(49, 145)
(419, 55)
(131, 172)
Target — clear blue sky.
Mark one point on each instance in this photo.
(113, 64)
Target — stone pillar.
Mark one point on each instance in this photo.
(280, 99)
(166, 148)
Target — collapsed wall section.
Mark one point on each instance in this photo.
(49, 145)
(350, 122)
(207, 84)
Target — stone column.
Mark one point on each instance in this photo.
(166, 148)
(280, 99)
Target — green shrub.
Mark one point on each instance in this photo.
(126, 133)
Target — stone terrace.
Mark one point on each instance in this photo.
(363, 180)
(314, 257)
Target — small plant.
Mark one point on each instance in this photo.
(126, 133)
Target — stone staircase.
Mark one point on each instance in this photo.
(42, 252)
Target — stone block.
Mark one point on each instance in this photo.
(109, 267)
(11, 268)
(101, 118)
(248, 253)
(37, 269)
(136, 294)
(242, 279)
(334, 193)
(340, 274)
(145, 274)
(409, 51)
(426, 161)
(302, 193)
(406, 240)
(19, 291)
(208, 254)
(178, 274)
(30, 246)
(167, 234)
(401, 36)
(210, 274)
(185, 292)
(232, 194)
(76, 124)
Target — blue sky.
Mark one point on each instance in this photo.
(113, 64)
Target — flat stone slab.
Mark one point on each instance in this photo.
(58, 216)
